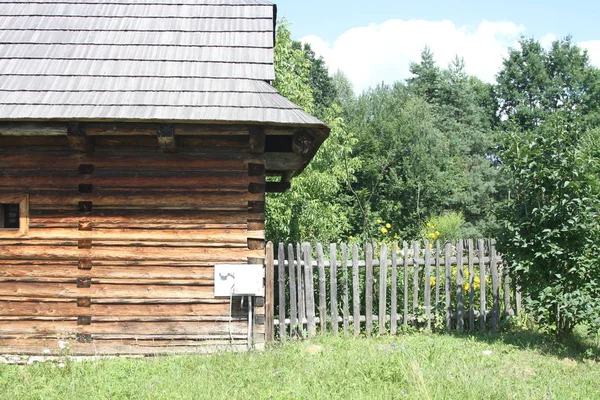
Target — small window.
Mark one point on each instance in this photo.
(14, 214)
(9, 218)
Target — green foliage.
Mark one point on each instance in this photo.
(551, 234)
(443, 227)
(551, 227)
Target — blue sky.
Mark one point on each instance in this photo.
(358, 36)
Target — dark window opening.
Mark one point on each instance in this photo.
(9, 216)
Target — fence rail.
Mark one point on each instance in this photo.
(378, 288)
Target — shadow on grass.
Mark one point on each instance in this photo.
(577, 345)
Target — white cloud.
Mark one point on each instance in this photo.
(382, 52)
(593, 48)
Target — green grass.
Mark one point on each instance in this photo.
(412, 366)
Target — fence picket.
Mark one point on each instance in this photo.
(415, 305)
(382, 288)
(355, 291)
(405, 310)
(333, 287)
(506, 279)
(495, 286)
(281, 279)
(269, 293)
(427, 293)
(322, 289)
(301, 292)
(437, 278)
(394, 294)
(482, 279)
(293, 298)
(369, 288)
(447, 284)
(459, 287)
(309, 290)
(471, 284)
(345, 275)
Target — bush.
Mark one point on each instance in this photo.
(551, 231)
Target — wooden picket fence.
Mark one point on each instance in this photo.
(432, 286)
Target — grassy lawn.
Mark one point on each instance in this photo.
(412, 366)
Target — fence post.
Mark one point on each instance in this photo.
(322, 289)
(369, 288)
(382, 287)
(281, 280)
(447, 284)
(459, 287)
(495, 286)
(427, 293)
(482, 283)
(269, 293)
(333, 289)
(309, 290)
(293, 299)
(394, 294)
(355, 290)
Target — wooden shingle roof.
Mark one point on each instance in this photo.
(144, 60)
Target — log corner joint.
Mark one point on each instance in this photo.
(78, 140)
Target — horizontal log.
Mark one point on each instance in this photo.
(284, 161)
(150, 200)
(202, 130)
(178, 219)
(188, 181)
(35, 143)
(50, 347)
(70, 328)
(45, 129)
(81, 274)
(122, 161)
(119, 301)
(227, 236)
(232, 142)
(129, 253)
(70, 309)
(86, 244)
(201, 274)
(64, 290)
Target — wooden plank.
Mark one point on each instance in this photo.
(293, 298)
(448, 284)
(301, 290)
(333, 288)
(198, 274)
(33, 129)
(116, 253)
(147, 199)
(495, 286)
(269, 293)
(151, 347)
(346, 305)
(383, 269)
(281, 280)
(427, 293)
(394, 291)
(405, 310)
(309, 290)
(104, 291)
(52, 308)
(69, 328)
(322, 289)
(438, 283)
(459, 287)
(369, 288)
(233, 236)
(416, 252)
(471, 285)
(482, 285)
(355, 290)
(506, 295)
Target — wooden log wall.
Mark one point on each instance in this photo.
(124, 231)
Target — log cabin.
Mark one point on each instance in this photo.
(136, 138)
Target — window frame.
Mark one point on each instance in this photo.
(23, 201)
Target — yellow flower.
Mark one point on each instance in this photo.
(430, 225)
(432, 281)
(396, 237)
(437, 234)
(431, 236)
(379, 221)
(454, 271)
(466, 287)
(384, 230)
(388, 225)
(476, 285)
(466, 273)
(351, 237)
